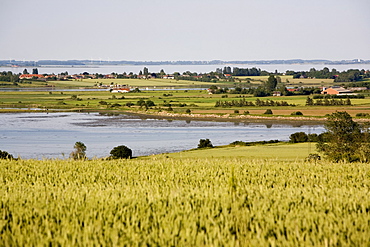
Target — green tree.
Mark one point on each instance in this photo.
(205, 143)
(345, 138)
(146, 71)
(309, 101)
(162, 73)
(121, 152)
(79, 152)
(141, 102)
(149, 103)
(25, 72)
(271, 83)
(35, 71)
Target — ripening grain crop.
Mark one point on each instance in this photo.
(188, 202)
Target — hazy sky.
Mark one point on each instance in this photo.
(161, 30)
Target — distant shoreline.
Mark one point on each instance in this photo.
(94, 63)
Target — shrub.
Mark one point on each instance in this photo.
(121, 152)
(150, 103)
(362, 114)
(205, 143)
(115, 105)
(238, 143)
(188, 111)
(236, 111)
(5, 155)
(297, 113)
(140, 102)
(313, 137)
(268, 112)
(298, 137)
(313, 158)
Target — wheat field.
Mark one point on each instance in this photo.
(184, 202)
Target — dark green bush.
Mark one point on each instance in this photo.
(121, 152)
(297, 113)
(298, 137)
(205, 143)
(5, 155)
(268, 112)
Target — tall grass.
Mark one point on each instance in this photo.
(188, 202)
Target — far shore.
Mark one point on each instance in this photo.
(197, 117)
(184, 116)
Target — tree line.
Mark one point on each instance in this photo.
(242, 102)
(328, 102)
(351, 75)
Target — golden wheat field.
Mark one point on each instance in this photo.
(184, 202)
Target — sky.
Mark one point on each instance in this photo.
(176, 30)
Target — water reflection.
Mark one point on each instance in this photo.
(269, 126)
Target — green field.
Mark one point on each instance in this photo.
(278, 152)
(89, 83)
(241, 81)
(197, 101)
(162, 201)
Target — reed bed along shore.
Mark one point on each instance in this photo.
(162, 201)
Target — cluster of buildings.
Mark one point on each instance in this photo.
(65, 77)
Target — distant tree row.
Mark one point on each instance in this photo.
(242, 71)
(242, 102)
(9, 76)
(303, 137)
(328, 102)
(351, 75)
(338, 96)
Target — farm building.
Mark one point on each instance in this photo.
(31, 76)
(336, 90)
(120, 90)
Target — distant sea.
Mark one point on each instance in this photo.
(169, 69)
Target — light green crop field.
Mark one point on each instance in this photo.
(278, 152)
(184, 202)
(198, 101)
(141, 83)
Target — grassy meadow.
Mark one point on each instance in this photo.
(91, 83)
(278, 151)
(197, 101)
(169, 201)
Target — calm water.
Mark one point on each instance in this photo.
(52, 135)
(183, 68)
